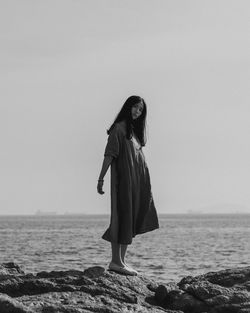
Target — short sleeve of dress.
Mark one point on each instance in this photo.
(113, 144)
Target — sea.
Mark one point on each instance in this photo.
(185, 244)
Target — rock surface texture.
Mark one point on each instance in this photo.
(226, 291)
(98, 290)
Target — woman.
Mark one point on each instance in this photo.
(132, 206)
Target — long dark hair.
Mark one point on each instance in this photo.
(138, 125)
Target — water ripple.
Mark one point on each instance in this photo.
(184, 245)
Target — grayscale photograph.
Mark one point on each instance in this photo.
(125, 156)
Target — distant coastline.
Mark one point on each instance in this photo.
(185, 214)
(39, 213)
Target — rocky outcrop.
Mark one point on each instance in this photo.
(226, 291)
(98, 290)
(73, 291)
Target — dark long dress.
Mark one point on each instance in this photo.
(132, 206)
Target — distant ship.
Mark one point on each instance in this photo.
(38, 212)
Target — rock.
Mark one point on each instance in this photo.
(98, 290)
(226, 291)
(94, 271)
(91, 290)
(9, 305)
(10, 268)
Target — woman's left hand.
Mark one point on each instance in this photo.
(99, 187)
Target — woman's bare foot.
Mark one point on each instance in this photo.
(121, 268)
(130, 268)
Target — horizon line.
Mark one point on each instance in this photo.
(108, 214)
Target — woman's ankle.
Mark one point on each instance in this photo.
(117, 262)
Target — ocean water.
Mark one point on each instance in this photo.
(183, 245)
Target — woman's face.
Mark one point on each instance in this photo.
(136, 110)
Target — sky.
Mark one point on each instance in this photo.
(67, 67)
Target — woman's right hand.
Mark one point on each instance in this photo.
(100, 186)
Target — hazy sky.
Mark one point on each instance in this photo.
(66, 68)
